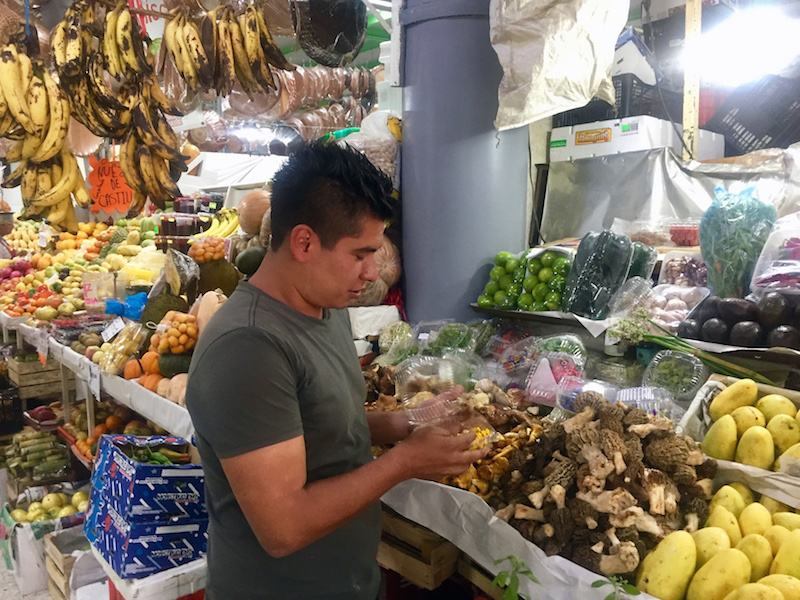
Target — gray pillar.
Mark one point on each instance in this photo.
(464, 185)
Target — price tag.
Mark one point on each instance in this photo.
(42, 240)
(424, 336)
(41, 345)
(112, 329)
(94, 380)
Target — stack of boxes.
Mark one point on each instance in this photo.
(145, 518)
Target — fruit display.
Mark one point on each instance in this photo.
(769, 323)
(54, 505)
(37, 455)
(125, 345)
(24, 236)
(176, 334)
(224, 224)
(752, 428)
(206, 249)
(532, 282)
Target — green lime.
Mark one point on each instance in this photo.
(507, 303)
(545, 274)
(505, 281)
(491, 288)
(485, 301)
(539, 307)
(529, 282)
(540, 291)
(519, 275)
(548, 258)
(501, 258)
(553, 301)
(561, 266)
(525, 302)
(514, 290)
(512, 264)
(557, 283)
(499, 296)
(534, 266)
(496, 273)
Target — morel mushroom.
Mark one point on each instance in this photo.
(583, 513)
(624, 560)
(579, 420)
(594, 400)
(707, 469)
(666, 454)
(635, 416)
(614, 448)
(684, 475)
(563, 475)
(654, 426)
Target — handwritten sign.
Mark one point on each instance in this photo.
(110, 192)
(94, 380)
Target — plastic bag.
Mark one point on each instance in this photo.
(671, 304)
(601, 267)
(683, 269)
(516, 359)
(733, 232)
(376, 141)
(566, 344)
(644, 261)
(451, 336)
(778, 266)
(636, 292)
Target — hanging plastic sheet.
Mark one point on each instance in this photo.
(657, 184)
(556, 56)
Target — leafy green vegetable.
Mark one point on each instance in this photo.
(733, 232)
(619, 585)
(451, 336)
(509, 580)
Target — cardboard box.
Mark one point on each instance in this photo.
(631, 134)
(145, 492)
(139, 549)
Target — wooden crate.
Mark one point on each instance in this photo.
(479, 577)
(421, 556)
(59, 564)
(35, 380)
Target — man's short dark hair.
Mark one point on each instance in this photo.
(331, 188)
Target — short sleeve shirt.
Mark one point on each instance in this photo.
(264, 373)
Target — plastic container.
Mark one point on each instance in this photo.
(671, 304)
(653, 400)
(570, 387)
(517, 358)
(618, 371)
(680, 374)
(546, 373)
(432, 374)
(634, 293)
(685, 233)
(566, 344)
(683, 269)
(650, 233)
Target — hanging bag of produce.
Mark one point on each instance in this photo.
(733, 232)
(778, 267)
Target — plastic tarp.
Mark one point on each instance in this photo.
(556, 56)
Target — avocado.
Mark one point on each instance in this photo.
(784, 336)
(748, 334)
(250, 259)
(690, 330)
(716, 331)
(734, 310)
(172, 364)
(773, 310)
(707, 309)
(218, 274)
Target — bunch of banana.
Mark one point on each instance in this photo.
(224, 49)
(224, 224)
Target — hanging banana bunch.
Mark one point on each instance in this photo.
(224, 49)
(35, 111)
(84, 51)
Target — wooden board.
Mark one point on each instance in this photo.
(26, 368)
(27, 374)
(63, 562)
(41, 390)
(478, 576)
(55, 593)
(56, 579)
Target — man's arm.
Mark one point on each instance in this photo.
(287, 514)
(388, 427)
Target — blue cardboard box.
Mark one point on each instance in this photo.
(137, 549)
(143, 492)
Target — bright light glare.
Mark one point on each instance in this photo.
(747, 46)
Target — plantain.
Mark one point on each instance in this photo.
(226, 72)
(15, 177)
(44, 180)
(87, 24)
(169, 187)
(145, 68)
(208, 25)
(197, 54)
(148, 134)
(137, 205)
(81, 194)
(113, 61)
(58, 45)
(25, 72)
(59, 121)
(124, 38)
(36, 99)
(190, 68)
(70, 220)
(271, 49)
(63, 187)
(15, 153)
(28, 185)
(129, 170)
(171, 42)
(144, 161)
(73, 54)
(161, 100)
(248, 24)
(30, 145)
(100, 89)
(12, 88)
(241, 60)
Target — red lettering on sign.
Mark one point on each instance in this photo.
(110, 192)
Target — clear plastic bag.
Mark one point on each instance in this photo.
(451, 336)
(634, 293)
(516, 359)
(376, 141)
(644, 261)
(617, 371)
(677, 372)
(778, 266)
(683, 269)
(546, 373)
(733, 232)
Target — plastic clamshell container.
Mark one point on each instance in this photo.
(625, 373)
(679, 373)
(651, 232)
(570, 387)
(546, 373)
(675, 271)
(685, 233)
(430, 373)
(566, 344)
(653, 400)
(637, 291)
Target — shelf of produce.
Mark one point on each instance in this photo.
(525, 315)
(81, 458)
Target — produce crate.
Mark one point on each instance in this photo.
(35, 380)
(479, 577)
(633, 98)
(59, 559)
(763, 114)
(780, 486)
(421, 556)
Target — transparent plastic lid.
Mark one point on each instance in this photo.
(653, 400)
(618, 371)
(570, 388)
(677, 372)
(565, 344)
(547, 372)
(635, 292)
(430, 376)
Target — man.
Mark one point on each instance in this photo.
(277, 399)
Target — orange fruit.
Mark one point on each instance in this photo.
(114, 423)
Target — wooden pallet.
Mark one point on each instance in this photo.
(59, 569)
(419, 555)
(35, 380)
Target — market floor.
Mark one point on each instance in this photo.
(10, 591)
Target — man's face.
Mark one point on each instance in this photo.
(340, 273)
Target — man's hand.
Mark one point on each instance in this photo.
(432, 451)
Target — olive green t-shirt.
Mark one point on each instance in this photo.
(264, 373)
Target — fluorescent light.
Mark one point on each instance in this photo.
(745, 47)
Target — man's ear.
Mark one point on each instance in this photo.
(303, 243)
